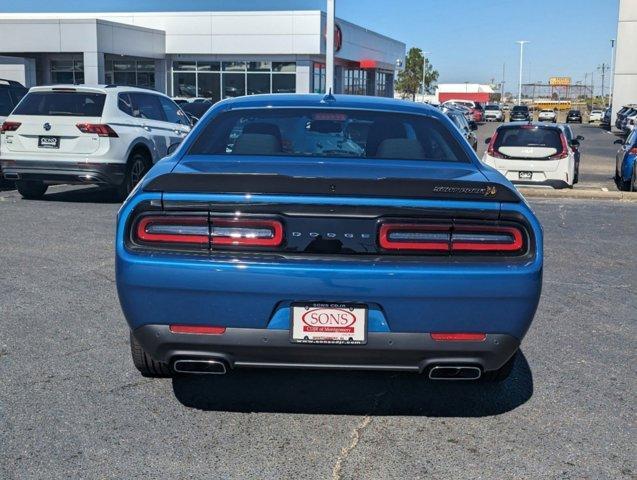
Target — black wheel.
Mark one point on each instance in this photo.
(502, 374)
(145, 364)
(31, 189)
(633, 180)
(136, 167)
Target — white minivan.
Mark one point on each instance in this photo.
(81, 134)
(532, 154)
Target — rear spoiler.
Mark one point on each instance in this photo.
(240, 183)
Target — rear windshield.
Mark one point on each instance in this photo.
(59, 104)
(492, 107)
(328, 133)
(528, 137)
(520, 108)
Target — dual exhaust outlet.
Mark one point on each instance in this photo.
(219, 367)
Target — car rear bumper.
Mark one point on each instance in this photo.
(247, 347)
(53, 172)
(558, 184)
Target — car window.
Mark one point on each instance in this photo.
(147, 106)
(17, 93)
(632, 138)
(328, 133)
(520, 108)
(62, 103)
(528, 137)
(124, 103)
(172, 112)
(6, 104)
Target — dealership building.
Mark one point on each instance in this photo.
(213, 54)
(625, 78)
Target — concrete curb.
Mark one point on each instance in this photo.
(588, 193)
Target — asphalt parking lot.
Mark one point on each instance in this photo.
(73, 406)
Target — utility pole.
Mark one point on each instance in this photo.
(612, 72)
(502, 84)
(329, 47)
(603, 68)
(522, 43)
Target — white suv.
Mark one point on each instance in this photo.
(547, 115)
(81, 134)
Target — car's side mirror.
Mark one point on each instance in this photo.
(574, 143)
(192, 119)
(618, 142)
(172, 148)
(487, 141)
(579, 138)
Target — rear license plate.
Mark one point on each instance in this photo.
(49, 142)
(331, 323)
(525, 175)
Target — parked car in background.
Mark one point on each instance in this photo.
(574, 116)
(532, 154)
(547, 116)
(520, 113)
(466, 128)
(11, 93)
(630, 119)
(573, 142)
(475, 108)
(493, 113)
(196, 110)
(595, 116)
(619, 119)
(82, 134)
(606, 118)
(626, 163)
(371, 237)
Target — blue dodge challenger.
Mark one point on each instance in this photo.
(335, 232)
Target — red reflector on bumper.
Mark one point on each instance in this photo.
(197, 329)
(459, 337)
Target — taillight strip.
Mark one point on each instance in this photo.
(486, 238)
(247, 232)
(173, 229)
(394, 236)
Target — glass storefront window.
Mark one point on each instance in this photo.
(184, 84)
(288, 67)
(208, 66)
(283, 83)
(209, 86)
(129, 71)
(259, 66)
(234, 66)
(233, 85)
(185, 66)
(146, 65)
(258, 83)
(67, 71)
(318, 77)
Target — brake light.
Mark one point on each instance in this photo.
(461, 238)
(9, 126)
(564, 152)
(459, 337)
(632, 151)
(491, 151)
(197, 329)
(99, 129)
(247, 232)
(174, 230)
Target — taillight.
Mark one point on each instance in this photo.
(99, 129)
(632, 151)
(9, 126)
(184, 230)
(491, 151)
(564, 152)
(247, 232)
(197, 329)
(460, 238)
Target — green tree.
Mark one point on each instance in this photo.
(410, 80)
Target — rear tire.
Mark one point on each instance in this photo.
(633, 180)
(31, 189)
(137, 166)
(145, 363)
(502, 374)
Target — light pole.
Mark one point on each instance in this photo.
(329, 47)
(424, 69)
(612, 72)
(522, 43)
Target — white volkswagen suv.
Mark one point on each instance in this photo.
(532, 154)
(81, 134)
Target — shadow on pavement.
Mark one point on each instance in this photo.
(82, 195)
(353, 393)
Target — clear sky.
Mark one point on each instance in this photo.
(469, 40)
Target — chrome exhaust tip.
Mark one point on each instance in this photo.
(200, 367)
(455, 372)
(12, 176)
